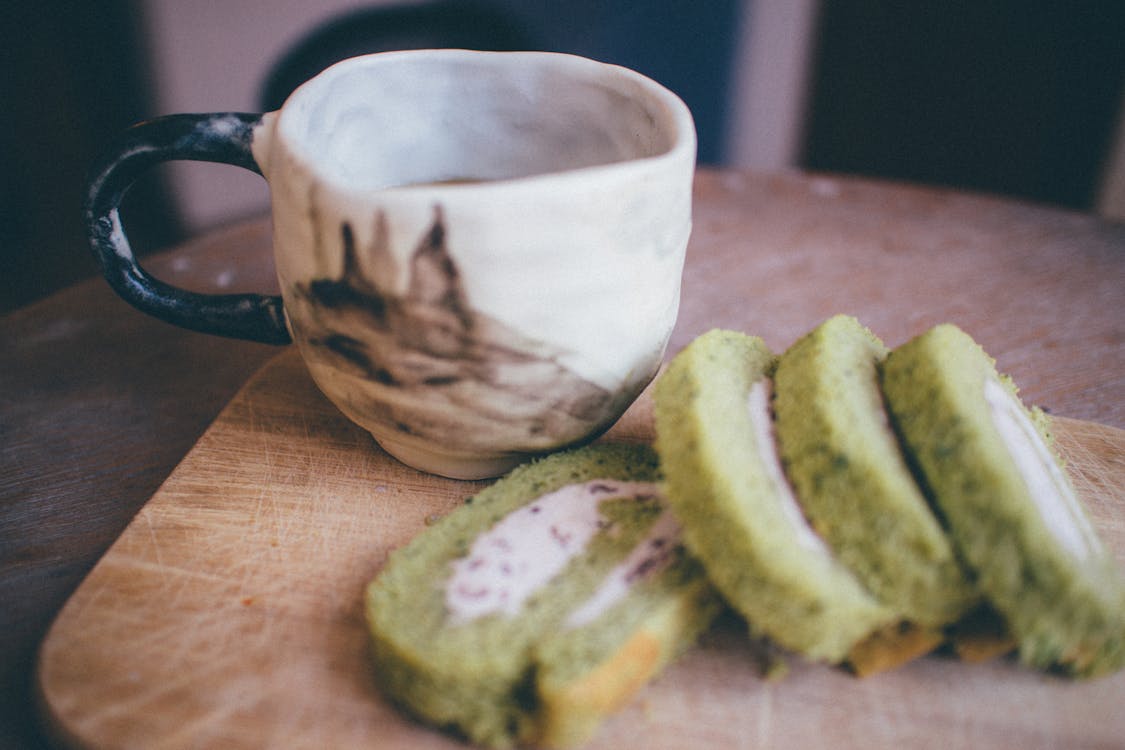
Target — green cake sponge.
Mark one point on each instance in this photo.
(541, 606)
(1007, 502)
(845, 463)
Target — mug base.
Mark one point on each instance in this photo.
(451, 465)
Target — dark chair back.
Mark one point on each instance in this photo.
(461, 24)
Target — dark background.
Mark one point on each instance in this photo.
(1018, 98)
(1014, 97)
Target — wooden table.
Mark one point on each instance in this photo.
(98, 403)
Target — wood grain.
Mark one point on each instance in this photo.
(98, 404)
(228, 615)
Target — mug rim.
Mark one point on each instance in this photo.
(660, 101)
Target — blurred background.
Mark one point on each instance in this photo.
(1020, 98)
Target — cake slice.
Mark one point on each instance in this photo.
(724, 482)
(1007, 503)
(541, 606)
(845, 464)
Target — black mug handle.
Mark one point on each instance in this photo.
(222, 137)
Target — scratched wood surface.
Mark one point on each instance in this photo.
(228, 615)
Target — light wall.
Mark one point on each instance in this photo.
(211, 56)
(769, 89)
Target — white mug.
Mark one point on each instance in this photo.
(479, 253)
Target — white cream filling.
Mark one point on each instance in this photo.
(758, 406)
(652, 555)
(1052, 494)
(530, 546)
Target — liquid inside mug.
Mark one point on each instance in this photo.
(479, 253)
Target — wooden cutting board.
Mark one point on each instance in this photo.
(228, 615)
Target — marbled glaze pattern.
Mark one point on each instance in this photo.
(479, 253)
(425, 364)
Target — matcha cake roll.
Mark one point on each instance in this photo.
(1007, 502)
(529, 614)
(725, 485)
(845, 464)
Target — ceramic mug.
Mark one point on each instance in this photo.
(479, 253)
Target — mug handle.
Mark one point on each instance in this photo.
(222, 137)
